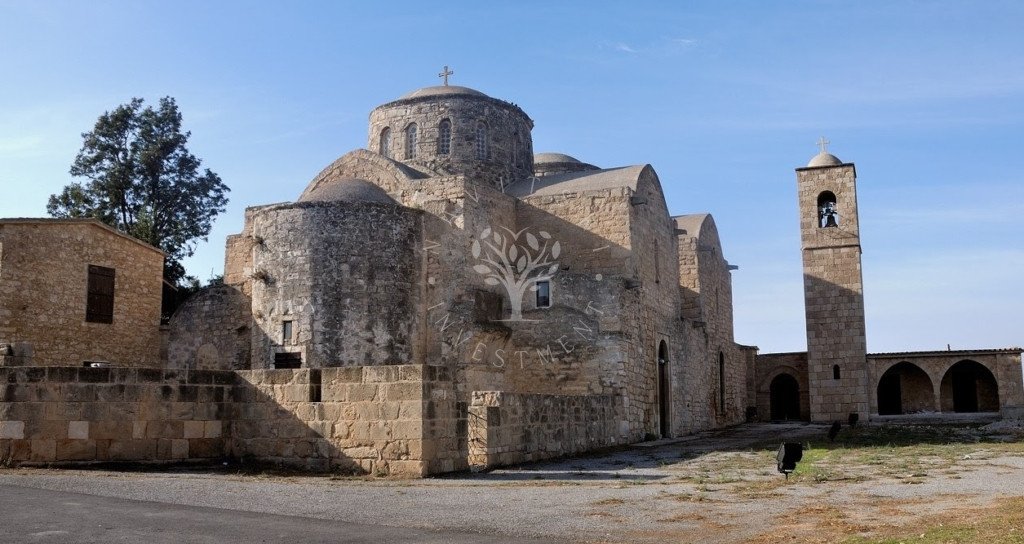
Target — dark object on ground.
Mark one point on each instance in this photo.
(854, 418)
(790, 453)
(832, 432)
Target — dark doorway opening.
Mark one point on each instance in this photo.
(664, 392)
(905, 389)
(785, 398)
(889, 394)
(969, 386)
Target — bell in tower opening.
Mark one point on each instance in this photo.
(828, 214)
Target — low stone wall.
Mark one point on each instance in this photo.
(69, 414)
(365, 419)
(508, 428)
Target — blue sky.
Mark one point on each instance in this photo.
(725, 99)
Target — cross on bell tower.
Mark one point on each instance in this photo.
(822, 142)
(444, 74)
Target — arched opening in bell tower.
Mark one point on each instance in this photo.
(828, 213)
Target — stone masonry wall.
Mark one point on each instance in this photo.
(211, 331)
(509, 428)
(380, 420)
(347, 277)
(44, 285)
(69, 414)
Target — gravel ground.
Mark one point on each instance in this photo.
(636, 494)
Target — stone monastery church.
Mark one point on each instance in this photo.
(444, 299)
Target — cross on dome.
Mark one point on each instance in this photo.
(444, 74)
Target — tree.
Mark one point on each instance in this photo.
(142, 180)
(505, 261)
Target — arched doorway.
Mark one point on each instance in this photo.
(969, 386)
(785, 398)
(664, 391)
(905, 389)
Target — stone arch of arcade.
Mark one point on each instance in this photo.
(905, 389)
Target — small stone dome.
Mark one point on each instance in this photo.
(442, 90)
(347, 189)
(824, 159)
(544, 158)
(545, 164)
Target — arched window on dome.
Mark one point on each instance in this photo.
(385, 142)
(482, 149)
(444, 137)
(410, 141)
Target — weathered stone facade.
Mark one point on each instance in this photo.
(44, 291)
(383, 261)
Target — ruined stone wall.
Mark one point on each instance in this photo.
(347, 277)
(69, 414)
(833, 296)
(509, 143)
(507, 428)
(43, 290)
(769, 366)
(212, 331)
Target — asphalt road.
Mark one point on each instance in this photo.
(29, 515)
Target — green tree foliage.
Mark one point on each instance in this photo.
(142, 180)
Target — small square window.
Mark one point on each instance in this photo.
(543, 294)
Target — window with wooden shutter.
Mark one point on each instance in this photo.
(99, 306)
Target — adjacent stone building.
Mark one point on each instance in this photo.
(836, 379)
(74, 291)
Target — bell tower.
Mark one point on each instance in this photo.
(833, 288)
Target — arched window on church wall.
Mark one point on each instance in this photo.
(385, 142)
(444, 137)
(482, 148)
(410, 141)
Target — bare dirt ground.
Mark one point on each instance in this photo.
(935, 483)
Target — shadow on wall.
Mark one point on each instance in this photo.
(394, 420)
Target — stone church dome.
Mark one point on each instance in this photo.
(441, 90)
(824, 159)
(558, 163)
(454, 130)
(347, 189)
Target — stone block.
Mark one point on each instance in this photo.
(179, 448)
(194, 429)
(132, 450)
(44, 450)
(213, 429)
(78, 430)
(76, 450)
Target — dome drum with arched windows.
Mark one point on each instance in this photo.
(455, 130)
